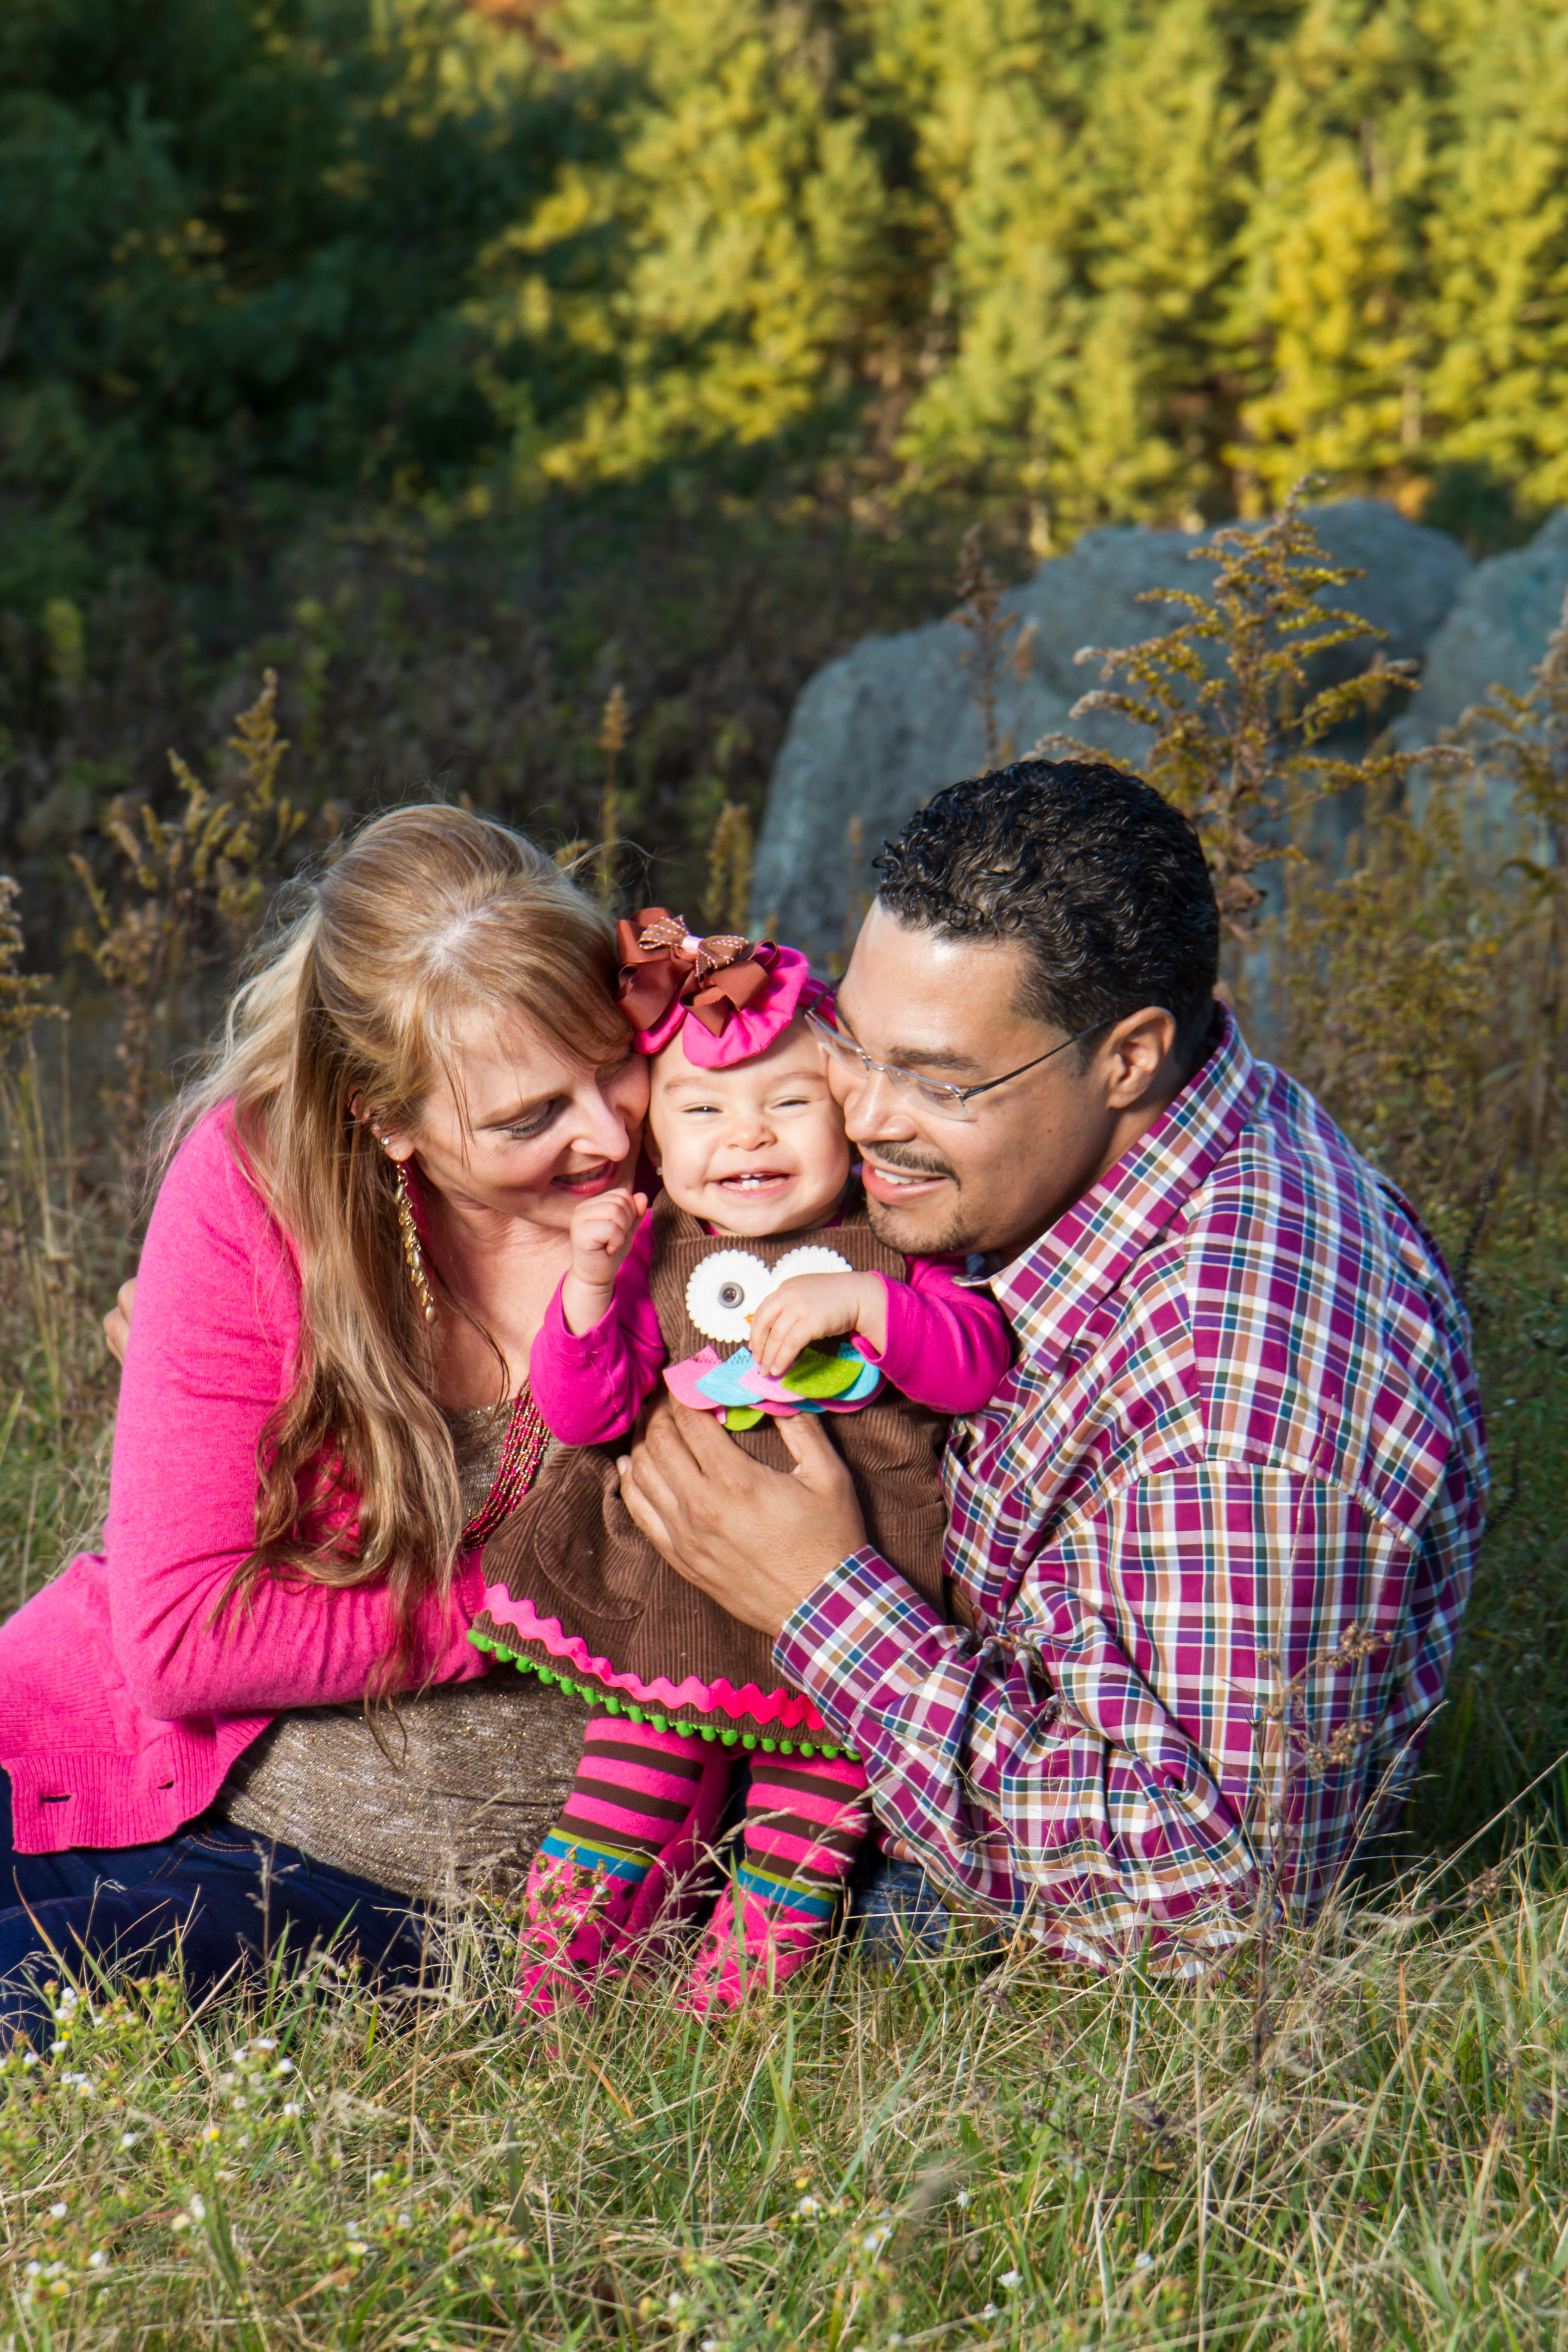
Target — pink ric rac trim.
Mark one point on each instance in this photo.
(791, 1710)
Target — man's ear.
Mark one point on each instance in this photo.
(1137, 1057)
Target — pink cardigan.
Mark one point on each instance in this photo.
(121, 1708)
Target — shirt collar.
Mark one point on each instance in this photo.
(1050, 1290)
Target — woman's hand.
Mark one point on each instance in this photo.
(602, 1231)
(117, 1322)
(756, 1540)
(817, 1306)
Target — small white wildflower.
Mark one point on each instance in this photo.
(875, 2240)
(808, 2205)
(245, 2140)
(58, 2212)
(130, 2139)
(29, 2058)
(199, 2209)
(59, 2049)
(1011, 2278)
(237, 2105)
(285, 2066)
(1143, 2261)
(355, 2249)
(180, 2222)
(708, 2344)
(34, 2270)
(53, 2270)
(264, 2045)
(292, 2107)
(377, 2179)
(990, 2311)
(98, 2260)
(963, 2197)
(405, 2221)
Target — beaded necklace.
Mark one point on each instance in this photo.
(522, 1450)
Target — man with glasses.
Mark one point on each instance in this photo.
(1212, 1539)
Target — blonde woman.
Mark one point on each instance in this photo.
(363, 1215)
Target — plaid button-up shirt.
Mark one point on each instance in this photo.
(1215, 1531)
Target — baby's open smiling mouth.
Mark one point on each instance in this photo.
(755, 1179)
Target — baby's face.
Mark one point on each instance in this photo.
(759, 1149)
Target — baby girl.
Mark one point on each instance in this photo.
(759, 1241)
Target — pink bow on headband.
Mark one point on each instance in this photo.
(742, 994)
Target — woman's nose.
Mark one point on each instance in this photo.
(604, 1126)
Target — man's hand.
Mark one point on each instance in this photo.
(602, 1231)
(117, 1322)
(754, 1539)
(817, 1306)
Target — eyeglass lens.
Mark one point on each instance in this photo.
(936, 1097)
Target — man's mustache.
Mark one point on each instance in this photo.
(908, 1163)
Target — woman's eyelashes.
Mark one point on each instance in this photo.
(524, 1131)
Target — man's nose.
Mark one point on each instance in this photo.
(876, 1112)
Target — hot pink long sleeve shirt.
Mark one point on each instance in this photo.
(948, 1347)
(121, 1705)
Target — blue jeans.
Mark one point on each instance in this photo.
(226, 1899)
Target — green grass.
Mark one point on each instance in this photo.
(967, 2152)
(944, 2156)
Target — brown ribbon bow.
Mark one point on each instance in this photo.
(713, 977)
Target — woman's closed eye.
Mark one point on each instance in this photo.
(524, 1131)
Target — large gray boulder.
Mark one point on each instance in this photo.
(1494, 635)
(876, 733)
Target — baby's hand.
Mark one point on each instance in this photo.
(816, 1306)
(602, 1231)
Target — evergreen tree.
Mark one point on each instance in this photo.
(234, 236)
(714, 284)
(1330, 319)
(1497, 249)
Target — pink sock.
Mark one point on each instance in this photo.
(635, 1795)
(805, 1817)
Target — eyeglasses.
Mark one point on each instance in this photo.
(949, 1102)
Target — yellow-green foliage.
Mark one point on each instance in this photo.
(1100, 258)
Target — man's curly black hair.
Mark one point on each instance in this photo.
(1101, 879)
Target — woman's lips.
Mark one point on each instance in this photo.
(589, 1181)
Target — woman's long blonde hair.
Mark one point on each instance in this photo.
(428, 914)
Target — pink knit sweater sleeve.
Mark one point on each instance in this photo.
(590, 1388)
(212, 1349)
(948, 1345)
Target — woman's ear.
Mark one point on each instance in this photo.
(396, 1147)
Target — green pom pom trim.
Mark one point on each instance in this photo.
(612, 1704)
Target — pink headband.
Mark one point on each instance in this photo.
(740, 995)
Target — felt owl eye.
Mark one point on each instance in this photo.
(725, 1291)
(811, 1260)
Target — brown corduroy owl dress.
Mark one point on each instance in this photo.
(576, 1595)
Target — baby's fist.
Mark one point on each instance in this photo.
(810, 1307)
(602, 1231)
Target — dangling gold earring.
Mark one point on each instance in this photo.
(412, 1251)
